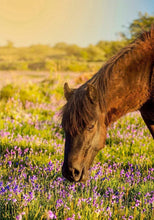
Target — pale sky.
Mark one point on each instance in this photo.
(81, 22)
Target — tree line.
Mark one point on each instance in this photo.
(66, 57)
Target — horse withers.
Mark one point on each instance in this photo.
(124, 84)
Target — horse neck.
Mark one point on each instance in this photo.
(124, 89)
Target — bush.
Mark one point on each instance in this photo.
(77, 67)
(37, 65)
(8, 91)
(14, 66)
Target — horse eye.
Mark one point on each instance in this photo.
(90, 127)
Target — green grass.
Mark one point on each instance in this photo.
(121, 185)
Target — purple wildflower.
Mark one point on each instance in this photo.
(51, 215)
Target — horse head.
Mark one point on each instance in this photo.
(85, 131)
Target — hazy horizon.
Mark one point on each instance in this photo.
(78, 22)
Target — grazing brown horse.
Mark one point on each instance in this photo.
(124, 84)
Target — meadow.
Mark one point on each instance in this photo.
(121, 183)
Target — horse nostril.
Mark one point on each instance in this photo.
(71, 173)
(76, 172)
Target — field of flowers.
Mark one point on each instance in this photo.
(121, 185)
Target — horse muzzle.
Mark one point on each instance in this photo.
(74, 173)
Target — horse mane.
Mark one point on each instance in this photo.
(141, 48)
(79, 111)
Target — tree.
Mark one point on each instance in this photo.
(61, 45)
(95, 53)
(143, 23)
(9, 44)
(110, 47)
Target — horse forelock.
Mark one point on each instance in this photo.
(78, 112)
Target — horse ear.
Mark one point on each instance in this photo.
(67, 91)
(92, 93)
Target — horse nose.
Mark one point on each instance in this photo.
(76, 173)
(72, 172)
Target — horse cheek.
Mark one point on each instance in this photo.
(101, 139)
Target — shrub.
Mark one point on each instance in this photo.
(8, 91)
